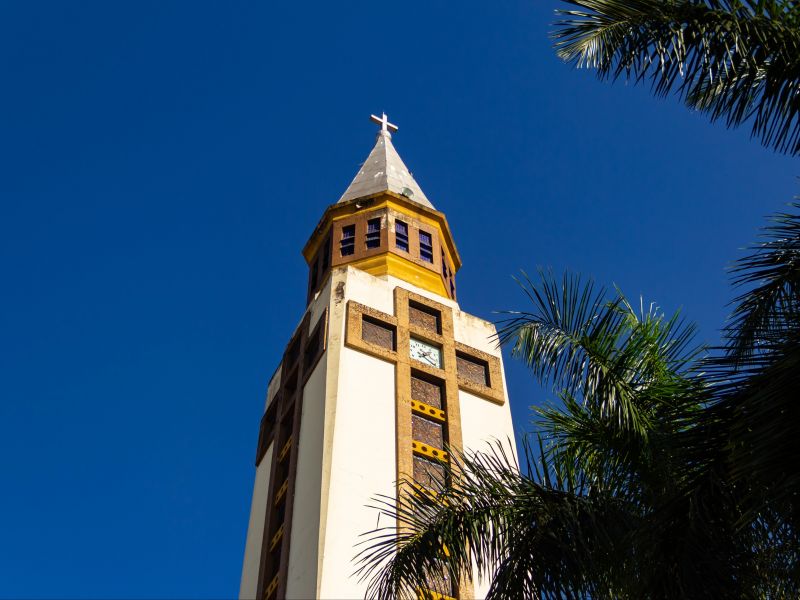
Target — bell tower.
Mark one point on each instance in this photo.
(383, 373)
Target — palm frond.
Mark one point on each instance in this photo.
(584, 343)
(770, 308)
(533, 538)
(736, 61)
(751, 422)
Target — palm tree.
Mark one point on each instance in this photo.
(737, 60)
(661, 472)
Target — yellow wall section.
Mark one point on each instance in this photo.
(397, 266)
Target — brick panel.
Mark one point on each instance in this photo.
(424, 318)
(472, 370)
(428, 473)
(377, 333)
(427, 431)
(424, 391)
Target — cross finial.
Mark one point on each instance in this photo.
(386, 127)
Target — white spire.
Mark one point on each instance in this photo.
(384, 170)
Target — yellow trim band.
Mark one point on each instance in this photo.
(276, 538)
(271, 587)
(425, 594)
(426, 410)
(397, 266)
(429, 451)
(285, 449)
(281, 492)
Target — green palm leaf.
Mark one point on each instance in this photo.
(736, 61)
(584, 344)
(769, 309)
(533, 538)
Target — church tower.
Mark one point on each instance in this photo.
(383, 372)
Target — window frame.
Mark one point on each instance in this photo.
(426, 249)
(348, 242)
(401, 238)
(373, 237)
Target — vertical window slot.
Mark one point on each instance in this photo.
(401, 235)
(425, 246)
(374, 233)
(348, 241)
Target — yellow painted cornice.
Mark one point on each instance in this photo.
(397, 266)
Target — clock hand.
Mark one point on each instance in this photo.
(428, 356)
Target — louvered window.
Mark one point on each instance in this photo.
(401, 235)
(348, 242)
(373, 233)
(425, 246)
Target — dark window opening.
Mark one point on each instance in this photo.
(313, 348)
(326, 254)
(292, 353)
(374, 233)
(266, 433)
(287, 425)
(314, 273)
(348, 242)
(425, 246)
(290, 385)
(282, 471)
(275, 563)
(401, 235)
(280, 512)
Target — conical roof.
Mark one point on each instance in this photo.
(384, 171)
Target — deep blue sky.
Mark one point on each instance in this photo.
(161, 165)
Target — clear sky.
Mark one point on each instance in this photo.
(161, 166)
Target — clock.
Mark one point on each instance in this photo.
(425, 353)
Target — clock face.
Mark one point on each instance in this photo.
(425, 353)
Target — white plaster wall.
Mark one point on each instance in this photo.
(474, 331)
(301, 580)
(336, 316)
(483, 423)
(255, 528)
(362, 466)
(376, 292)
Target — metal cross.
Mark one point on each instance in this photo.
(383, 121)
